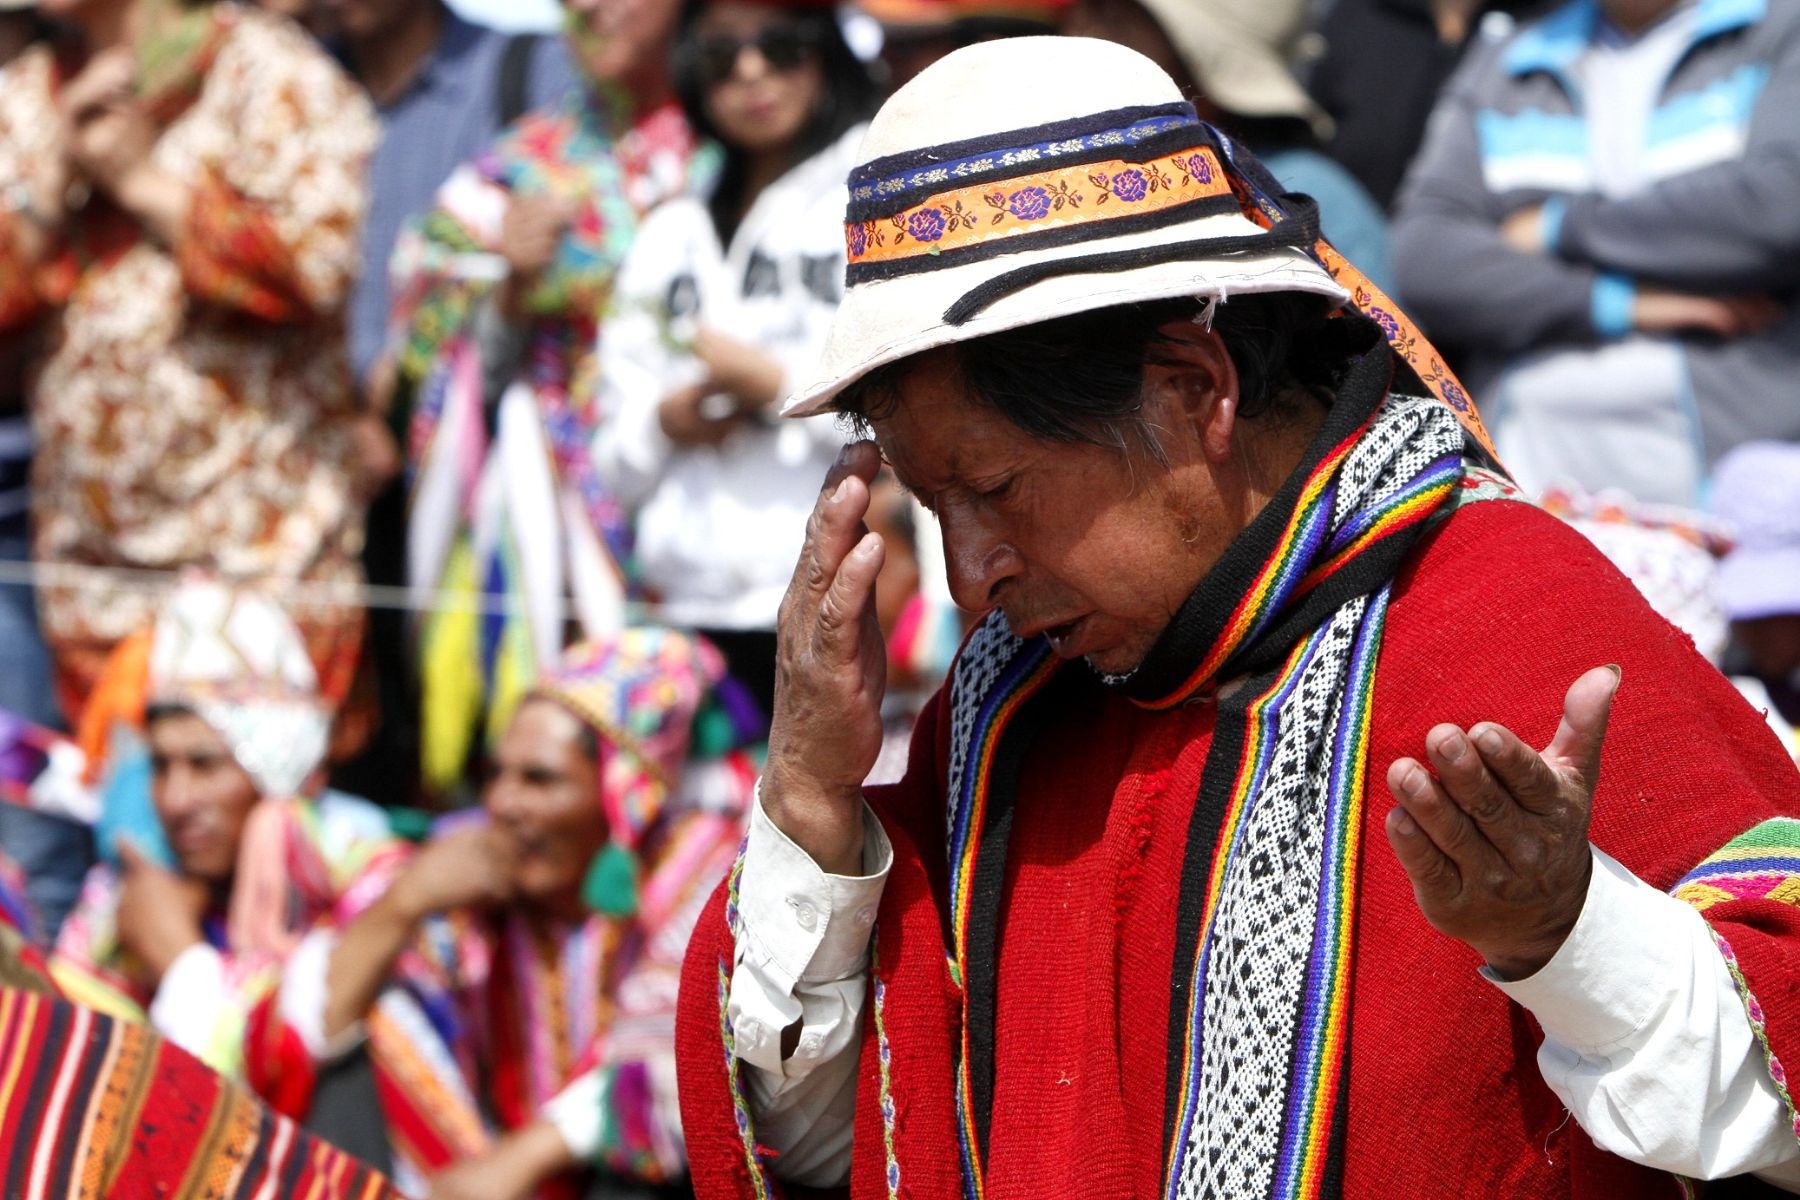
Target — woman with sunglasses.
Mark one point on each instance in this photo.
(721, 302)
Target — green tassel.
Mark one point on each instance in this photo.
(610, 887)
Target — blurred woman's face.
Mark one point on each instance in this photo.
(616, 41)
(760, 72)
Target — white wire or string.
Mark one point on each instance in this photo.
(295, 592)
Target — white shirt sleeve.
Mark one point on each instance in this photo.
(1647, 1042)
(190, 999)
(576, 1115)
(802, 955)
(305, 986)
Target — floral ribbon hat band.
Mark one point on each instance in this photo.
(1025, 179)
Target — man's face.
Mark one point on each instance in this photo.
(1081, 543)
(202, 795)
(545, 795)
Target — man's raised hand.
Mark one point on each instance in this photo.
(830, 673)
(1496, 844)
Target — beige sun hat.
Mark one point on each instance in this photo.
(1021, 180)
(1242, 54)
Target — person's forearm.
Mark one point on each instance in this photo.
(363, 959)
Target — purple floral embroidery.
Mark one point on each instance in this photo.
(1455, 396)
(1130, 186)
(1029, 204)
(857, 238)
(926, 225)
(1200, 168)
(1385, 319)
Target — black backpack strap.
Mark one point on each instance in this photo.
(515, 73)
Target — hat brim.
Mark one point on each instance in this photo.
(1757, 582)
(883, 322)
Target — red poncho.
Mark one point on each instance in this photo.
(1494, 612)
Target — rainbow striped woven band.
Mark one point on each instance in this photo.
(1020, 679)
(1111, 174)
(1762, 863)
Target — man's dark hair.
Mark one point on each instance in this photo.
(848, 97)
(1080, 378)
(162, 711)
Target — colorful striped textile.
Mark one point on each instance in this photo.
(94, 1107)
(1762, 863)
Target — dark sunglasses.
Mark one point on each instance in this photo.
(783, 47)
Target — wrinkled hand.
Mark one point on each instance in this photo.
(1496, 845)
(830, 673)
(1662, 310)
(467, 868)
(530, 231)
(739, 368)
(159, 911)
(686, 418)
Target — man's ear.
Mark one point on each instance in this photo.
(1195, 384)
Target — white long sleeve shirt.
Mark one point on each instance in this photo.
(720, 527)
(1645, 1038)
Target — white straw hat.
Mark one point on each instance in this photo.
(1031, 178)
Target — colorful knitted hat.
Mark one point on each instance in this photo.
(639, 692)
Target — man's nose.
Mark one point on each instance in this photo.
(502, 799)
(977, 560)
(176, 785)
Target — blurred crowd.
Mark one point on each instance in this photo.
(395, 510)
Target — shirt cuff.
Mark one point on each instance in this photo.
(1610, 304)
(1550, 222)
(1609, 978)
(302, 996)
(806, 925)
(575, 1114)
(186, 1007)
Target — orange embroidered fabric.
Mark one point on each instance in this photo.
(1082, 194)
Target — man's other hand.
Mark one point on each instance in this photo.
(830, 673)
(159, 911)
(468, 868)
(1496, 843)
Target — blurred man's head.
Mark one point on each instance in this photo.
(202, 795)
(625, 42)
(544, 794)
(233, 718)
(588, 761)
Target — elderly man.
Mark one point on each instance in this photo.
(241, 850)
(516, 984)
(1139, 920)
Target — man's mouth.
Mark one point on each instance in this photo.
(1065, 636)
